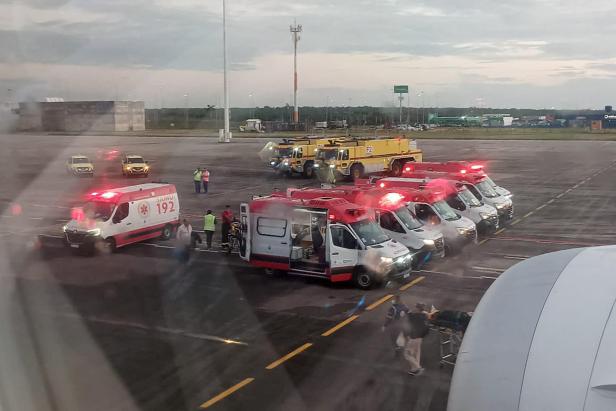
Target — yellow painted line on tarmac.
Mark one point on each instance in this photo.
(289, 356)
(528, 214)
(226, 393)
(550, 202)
(339, 326)
(412, 283)
(485, 240)
(379, 302)
(560, 195)
(516, 221)
(541, 207)
(499, 231)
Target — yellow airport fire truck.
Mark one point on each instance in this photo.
(354, 158)
(296, 155)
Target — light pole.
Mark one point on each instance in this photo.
(295, 30)
(186, 110)
(420, 95)
(227, 136)
(252, 104)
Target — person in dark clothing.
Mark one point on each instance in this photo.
(392, 321)
(418, 321)
(227, 219)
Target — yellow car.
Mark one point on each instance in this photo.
(133, 165)
(80, 166)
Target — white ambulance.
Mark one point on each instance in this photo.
(121, 216)
(325, 237)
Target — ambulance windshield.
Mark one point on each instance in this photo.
(468, 198)
(135, 160)
(369, 232)
(98, 210)
(445, 211)
(408, 219)
(486, 189)
(80, 160)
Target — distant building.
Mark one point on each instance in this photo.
(79, 116)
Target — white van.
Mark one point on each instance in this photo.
(121, 216)
(327, 238)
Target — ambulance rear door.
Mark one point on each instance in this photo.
(245, 232)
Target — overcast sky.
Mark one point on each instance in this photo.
(459, 53)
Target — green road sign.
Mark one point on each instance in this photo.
(401, 89)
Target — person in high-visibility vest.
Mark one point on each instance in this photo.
(209, 226)
(197, 180)
(205, 177)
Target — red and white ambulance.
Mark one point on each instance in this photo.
(457, 195)
(460, 168)
(121, 216)
(391, 213)
(477, 184)
(326, 238)
(429, 205)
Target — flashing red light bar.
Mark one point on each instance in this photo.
(332, 217)
(408, 168)
(382, 185)
(109, 194)
(94, 194)
(463, 171)
(476, 167)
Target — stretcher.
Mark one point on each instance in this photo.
(450, 326)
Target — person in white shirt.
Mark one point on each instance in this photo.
(183, 239)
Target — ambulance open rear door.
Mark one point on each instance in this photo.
(245, 232)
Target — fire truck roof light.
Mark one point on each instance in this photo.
(331, 216)
(463, 171)
(94, 194)
(109, 194)
(382, 185)
(476, 167)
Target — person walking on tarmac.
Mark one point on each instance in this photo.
(397, 327)
(184, 238)
(227, 219)
(197, 180)
(209, 226)
(418, 319)
(205, 178)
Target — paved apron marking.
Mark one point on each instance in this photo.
(226, 393)
(412, 283)
(550, 201)
(339, 325)
(290, 355)
(378, 302)
(304, 347)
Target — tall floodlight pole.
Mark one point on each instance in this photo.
(295, 30)
(227, 136)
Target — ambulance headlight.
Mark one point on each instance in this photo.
(272, 163)
(316, 166)
(64, 229)
(146, 168)
(332, 166)
(95, 231)
(429, 243)
(486, 216)
(387, 260)
(286, 163)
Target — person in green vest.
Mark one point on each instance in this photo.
(197, 180)
(209, 226)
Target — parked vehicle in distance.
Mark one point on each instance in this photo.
(134, 165)
(80, 165)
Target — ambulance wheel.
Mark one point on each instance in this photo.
(357, 171)
(363, 280)
(167, 232)
(109, 245)
(308, 170)
(396, 168)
